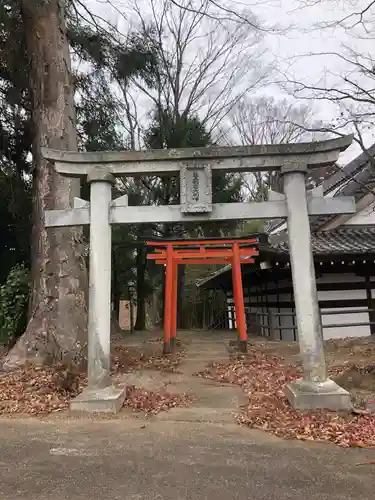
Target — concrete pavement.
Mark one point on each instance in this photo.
(76, 459)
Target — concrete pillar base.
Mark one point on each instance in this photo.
(107, 400)
(306, 395)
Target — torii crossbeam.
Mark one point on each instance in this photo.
(226, 251)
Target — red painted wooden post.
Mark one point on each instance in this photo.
(234, 293)
(168, 299)
(174, 304)
(238, 298)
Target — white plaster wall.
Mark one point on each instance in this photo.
(336, 332)
(342, 332)
(365, 217)
(337, 319)
(342, 295)
(232, 325)
(231, 318)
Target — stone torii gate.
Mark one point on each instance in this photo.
(195, 168)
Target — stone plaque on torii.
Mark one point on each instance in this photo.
(195, 167)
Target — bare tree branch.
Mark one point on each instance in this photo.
(264, 120)
(205, 65)
(350, 91)
(225, 14)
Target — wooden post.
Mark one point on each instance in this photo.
(168, 300)
(370, 302)
(234, 308)
(270, 324)
(279, 321)
(238, 298)
(174, 305)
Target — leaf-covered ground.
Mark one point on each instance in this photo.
(350, 362)
(40, 391)
(126, 359)
(36, 391)
(152, 402)
(263, 377)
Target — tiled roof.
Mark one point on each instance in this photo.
(344, 240)
(355, 173)
(355, 179)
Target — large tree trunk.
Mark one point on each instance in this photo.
(57, 327)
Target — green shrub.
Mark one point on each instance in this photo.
(14, 301)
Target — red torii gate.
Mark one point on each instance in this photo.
(226, 251)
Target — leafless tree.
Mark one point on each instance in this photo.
(266, 120)
(350, 89)
(205, 66)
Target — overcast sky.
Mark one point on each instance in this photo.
(284, 50)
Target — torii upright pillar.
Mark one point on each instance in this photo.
(315, 390)
(238, 298)
(168, 300)
(174, 305)
(100, 395)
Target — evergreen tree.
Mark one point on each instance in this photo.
(171, 130)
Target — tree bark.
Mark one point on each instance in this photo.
(57, 326)
(140, 322)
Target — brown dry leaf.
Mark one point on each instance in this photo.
(154, 402)
(36, 391)
(39, 391)
(125, 359)
(263, 378)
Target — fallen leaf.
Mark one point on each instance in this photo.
(263, 378)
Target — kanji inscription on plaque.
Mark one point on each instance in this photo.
(196, 188)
